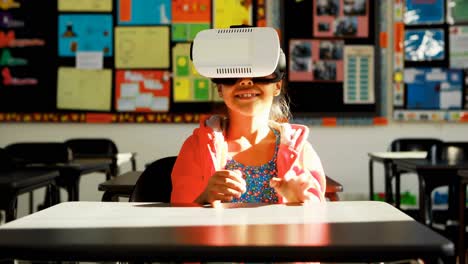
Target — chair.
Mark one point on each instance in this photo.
(410, 144)
(24, 153)
(155, 183)
(450, 152)
(96, 148)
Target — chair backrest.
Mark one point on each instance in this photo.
(6, 161)
(39, 152)
(453, 151)
(155, 184)
(92, 147)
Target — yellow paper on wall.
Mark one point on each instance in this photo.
(142, 47)
(85, 5)
(182, 90)
(231, 12)
(84, 89)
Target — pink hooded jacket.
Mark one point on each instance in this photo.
(205, 152)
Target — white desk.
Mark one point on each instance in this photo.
(387, 158)
(400, 155)
(111, 214)
(335, 231)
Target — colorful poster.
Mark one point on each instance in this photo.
(341, 18)
(85, 5)
(189, 86)
(433, 88)
(84, 33)
(233, 12)
(314, 60)
(142, 47)
(420, 12)
(144, 12)
(84, 89)
(424, 44)
(142, 91)
(458, 40)
(358, 87)
(456, 11)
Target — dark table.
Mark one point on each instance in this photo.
(123, 186)
(18, 181)
(71, 172)
(358, 231)
(115, 161)
(120, 186)
(386, 158)
(434, 173)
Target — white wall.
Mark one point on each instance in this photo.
(343, 150)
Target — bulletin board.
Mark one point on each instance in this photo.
(333, 60)
(431, 61)
(128, 60)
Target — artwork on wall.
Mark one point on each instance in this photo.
(142, 91)
(85, 33)
(419, 12)
(341, 18)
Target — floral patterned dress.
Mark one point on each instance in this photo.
(258, 178)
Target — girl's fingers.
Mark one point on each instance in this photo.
(218, 197)
(229, 183)
(226, 190)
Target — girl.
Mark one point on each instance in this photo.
(251, 154)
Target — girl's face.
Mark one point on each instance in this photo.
(248, 98)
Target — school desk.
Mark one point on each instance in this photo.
(364, 231)
(122, 186)
(71, 172)
(386, 158)
(433, 173)
(18, 181)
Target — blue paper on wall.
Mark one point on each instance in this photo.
(144, 12)
(424, 44)
(420, 12)
(433, 88)
(85, 33)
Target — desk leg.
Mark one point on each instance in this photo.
(133, 160)
(109, 197)
(31, 202)
(388, 182)
(422, 202)
(396, 173)
(461, 222)
(333, 197)
(371, 180)
(10, 213)
(73, 187)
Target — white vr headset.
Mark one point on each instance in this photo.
(222, 54)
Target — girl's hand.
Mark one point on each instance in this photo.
(295, 189)
(223, 186)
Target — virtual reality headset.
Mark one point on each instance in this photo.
(225, 55)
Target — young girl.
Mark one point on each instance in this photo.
(251, 154)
